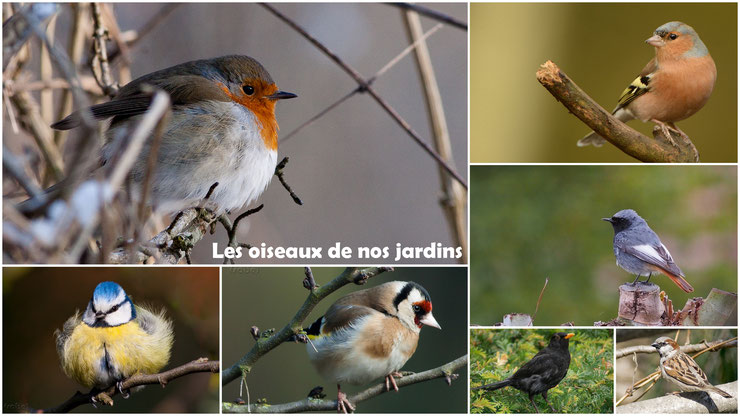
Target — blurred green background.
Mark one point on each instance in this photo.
(601, 47)
(533, 222)
(496, 354)
(720, 367)
(37, 301)
(269, 297)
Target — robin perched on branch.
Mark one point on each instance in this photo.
(544, 371)
(222, 130)
(672, 87)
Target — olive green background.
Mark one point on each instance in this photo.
(37, 301)
(601, 48)
(537, 222)
(270, 297)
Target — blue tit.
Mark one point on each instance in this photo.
(113, 340)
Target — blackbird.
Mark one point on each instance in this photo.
(543, 372)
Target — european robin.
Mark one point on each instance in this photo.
(222, 129)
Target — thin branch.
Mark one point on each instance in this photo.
(454, 197)
(625, 138)
(294, 327)
(201, 365)
(365, 86)
(686, 403)
(433, 14)
(100, 65)
(312, 405)
(688, 349)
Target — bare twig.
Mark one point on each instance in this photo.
(201, 365)
(101, 66)
(609, 127)
(309, 282)
(454, 198)
(281, 177)
(433, 14)
(539, 299)
(263, 346)
(445, 371)
(688, 349)
(365, 86)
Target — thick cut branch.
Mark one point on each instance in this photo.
(313, 405)
(627, 139)
(201, 365)
(292, 328)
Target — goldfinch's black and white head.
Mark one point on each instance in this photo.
(109, 306)
(412, 304)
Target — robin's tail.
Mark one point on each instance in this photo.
(494, 386)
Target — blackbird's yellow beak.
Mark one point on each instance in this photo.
(569, 335)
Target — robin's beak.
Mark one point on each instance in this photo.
(656, 41)
(99, 315)
(607, 219)
(571, 335)
(281, 95)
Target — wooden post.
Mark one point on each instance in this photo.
(640, 303)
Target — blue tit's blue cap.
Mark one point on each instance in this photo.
(107, 291)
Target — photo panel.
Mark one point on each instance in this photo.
(73, 335)
(328, 97)
(564, 245)
(533, 370)
(345, 337)
(536, 93)
(679, 370)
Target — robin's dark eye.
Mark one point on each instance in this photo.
(417, 308)
(672, 36)
(248, 89)
(113, 309)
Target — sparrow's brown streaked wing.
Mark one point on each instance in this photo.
(684, 369)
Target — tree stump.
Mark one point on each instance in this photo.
(640, 303)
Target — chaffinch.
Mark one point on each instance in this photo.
(673, 86)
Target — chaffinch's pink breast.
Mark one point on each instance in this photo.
(678, 89)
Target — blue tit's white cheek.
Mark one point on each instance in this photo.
(120, 316)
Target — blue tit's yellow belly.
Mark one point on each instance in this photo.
(102, 356)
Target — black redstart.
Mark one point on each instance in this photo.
(639, 250)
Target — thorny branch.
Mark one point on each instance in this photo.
(294, 326)
(311, 405)
(625, 138)
(201, 365)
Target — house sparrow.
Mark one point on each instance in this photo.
(672, 87)
(369, 334)
(639, 251)
(543, 372)
(681, 370)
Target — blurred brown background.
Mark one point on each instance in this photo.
(601, 46)
(269, 297)
(363, 181)
(37, 301)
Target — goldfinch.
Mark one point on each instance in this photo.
(369, 334)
